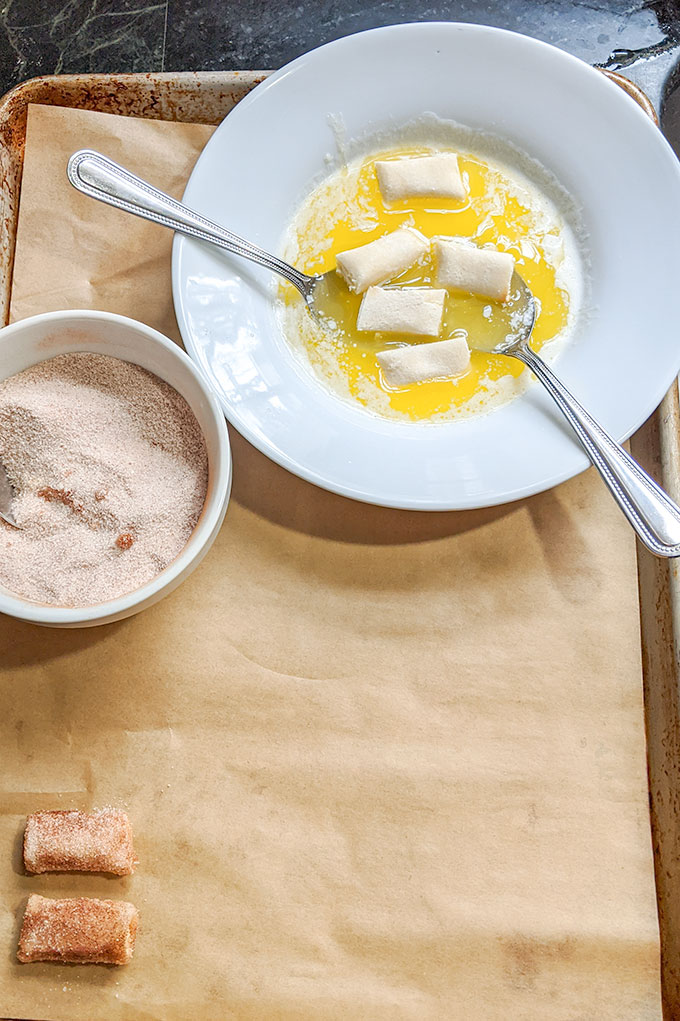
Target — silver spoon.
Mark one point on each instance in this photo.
(653, 515)
(99, 177)
(7, 495)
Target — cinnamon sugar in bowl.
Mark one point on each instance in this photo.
(135, 471)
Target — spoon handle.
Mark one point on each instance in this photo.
(653, 515)
(100, 178)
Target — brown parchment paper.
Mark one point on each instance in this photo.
(380, 765)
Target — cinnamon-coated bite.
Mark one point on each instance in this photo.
(78, 930)
(73, 841)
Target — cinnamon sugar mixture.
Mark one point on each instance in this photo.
(111, 471)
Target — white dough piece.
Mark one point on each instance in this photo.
(382, 259)
(420, 176)
(477, 270)
(402, 310)
(402, 366)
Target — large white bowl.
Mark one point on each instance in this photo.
(267, 153)
(43, 336)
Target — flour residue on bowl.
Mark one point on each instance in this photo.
(513, 204)
(111, 470)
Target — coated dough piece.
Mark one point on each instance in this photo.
(75, 841)
(79, 929)
(402, 310)
(419, 176)
(382, 259)
(402, 366)
(477, 270)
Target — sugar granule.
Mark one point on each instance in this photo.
(111, 470)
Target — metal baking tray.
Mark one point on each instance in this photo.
(206, 97)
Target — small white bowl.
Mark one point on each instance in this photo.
(43, 336)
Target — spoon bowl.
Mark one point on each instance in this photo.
(520, 317)
(7, 494)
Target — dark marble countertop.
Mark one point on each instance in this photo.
(57, 36)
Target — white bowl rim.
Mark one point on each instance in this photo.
(40, 613)
(417, 503)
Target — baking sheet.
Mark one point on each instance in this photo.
(380, 764)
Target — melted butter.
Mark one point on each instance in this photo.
(348, 210)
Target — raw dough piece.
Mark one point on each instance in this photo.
(402, 366)
(79, 929)
(382, 259)
(477, 270)
(420, 176)
(79, 842)
(402, 310)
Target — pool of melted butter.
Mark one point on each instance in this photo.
(347, 210)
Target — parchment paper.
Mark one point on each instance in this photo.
(380, 765)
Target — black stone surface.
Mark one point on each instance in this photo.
(57, 36)
(48, 36)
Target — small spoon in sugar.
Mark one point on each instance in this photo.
(7, 495)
